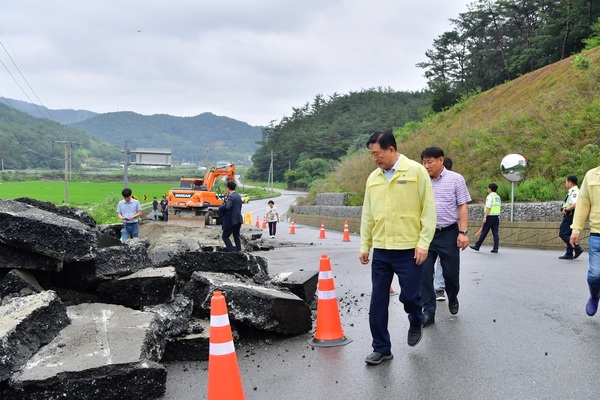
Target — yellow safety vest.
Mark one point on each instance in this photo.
(495, 204)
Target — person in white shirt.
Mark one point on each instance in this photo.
(272, 217)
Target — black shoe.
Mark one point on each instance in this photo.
(578, 252)
(429, 320)
(474, 248)
(453, 306)
(414, 335)
(566, 257)
(376, 358)
(494, 251)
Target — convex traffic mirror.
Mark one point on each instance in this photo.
(514, 167)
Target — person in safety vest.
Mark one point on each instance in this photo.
(567, 210)
(491, 218)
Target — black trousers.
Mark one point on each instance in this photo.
(565, 231)
(491, 223)
(443, 246)
(235, 230)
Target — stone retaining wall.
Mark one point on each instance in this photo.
(534, 224)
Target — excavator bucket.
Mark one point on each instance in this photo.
(186, 219)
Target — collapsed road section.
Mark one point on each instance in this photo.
(84, 316)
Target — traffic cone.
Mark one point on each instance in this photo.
(264, 225)
(329, 327)
(322, 233)
(346, 237)
(224, 381)
(392, 293)
(293, 228)
(257, 222)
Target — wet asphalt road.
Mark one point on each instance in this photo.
(521, 333)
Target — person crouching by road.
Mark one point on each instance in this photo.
(231, 214)
(398, 222)
(129, 210)
(588, 204)
(272, 217)
(568, 210)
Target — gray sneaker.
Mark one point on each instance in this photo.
(376, 358)
(440, 295)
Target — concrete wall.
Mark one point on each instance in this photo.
(534, 224)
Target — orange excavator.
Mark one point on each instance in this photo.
(195, 197)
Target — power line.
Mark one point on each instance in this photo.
(25, 80)
(31, 150)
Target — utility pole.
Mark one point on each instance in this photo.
(125, 165)
(270, 179)
(67, 143)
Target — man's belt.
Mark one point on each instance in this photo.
(446, 228)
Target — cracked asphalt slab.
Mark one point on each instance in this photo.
(521, 333)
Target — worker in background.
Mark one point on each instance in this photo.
(164, 208)
(231, 214)
(491, 218)
(155, 209)
(129, 210)
(568, 210)
(272, 217)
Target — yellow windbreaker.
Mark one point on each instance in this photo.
(399, 214)
(588, 203)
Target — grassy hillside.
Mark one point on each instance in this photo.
(551, 116)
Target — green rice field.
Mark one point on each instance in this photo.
(80, 193)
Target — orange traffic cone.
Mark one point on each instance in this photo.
(292, 228)
(264, 225)
(329, 327)
(224, 381)
(322, 233)
(257, 222)
(392, 293)
(346, 237)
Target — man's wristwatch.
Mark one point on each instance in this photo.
(463, 232)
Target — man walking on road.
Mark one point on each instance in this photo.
(491, 219)
(398, 222)
(451, 207)
(588, 204)
(568, 210)
(231, 214)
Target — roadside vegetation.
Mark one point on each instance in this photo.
(100, 198)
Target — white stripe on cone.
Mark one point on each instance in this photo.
(326, 294)
(219, 320)
(221, 349)
(326, 275)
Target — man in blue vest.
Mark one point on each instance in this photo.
(491, 218)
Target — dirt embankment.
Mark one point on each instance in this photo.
(159, 232)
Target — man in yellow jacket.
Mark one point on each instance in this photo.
(398, 222)
(588, 204)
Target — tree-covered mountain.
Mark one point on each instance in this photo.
(327, 129)
(204, 139)
(62, 116)
(496, 41)
(29, 142)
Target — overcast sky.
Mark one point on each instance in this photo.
(252, 60)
